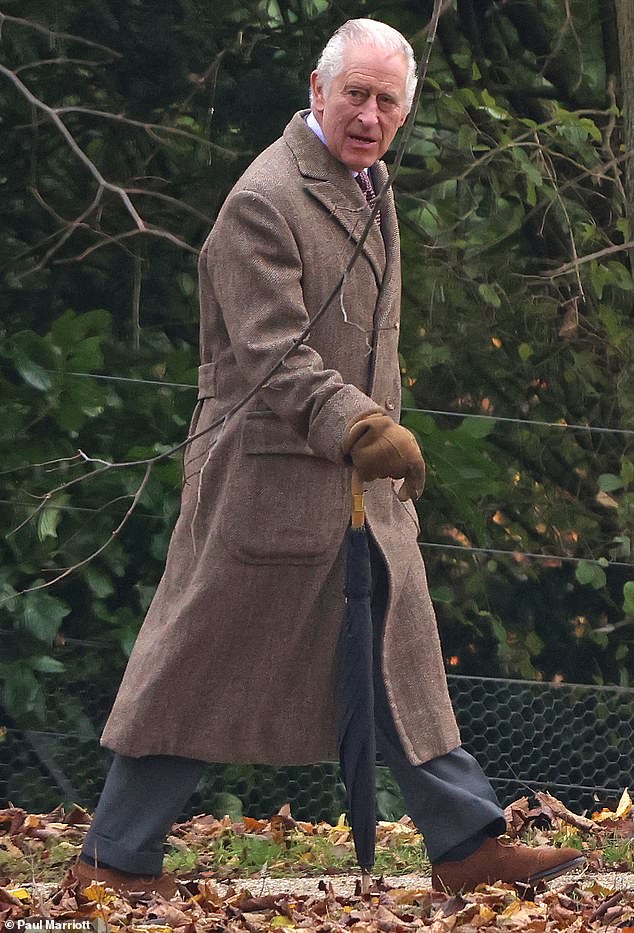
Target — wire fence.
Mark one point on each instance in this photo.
(577, 741)
(561, 425)
(438, 545)
(467, 550)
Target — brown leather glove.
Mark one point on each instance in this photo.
(378, 448)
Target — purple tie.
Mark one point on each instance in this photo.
(365, 183)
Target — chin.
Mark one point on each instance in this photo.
(363, 159)
(357, 163)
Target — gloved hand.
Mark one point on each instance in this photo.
(378, 448)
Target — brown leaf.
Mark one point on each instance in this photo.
(279, 829)
(363, 926)
(14, 817)
(452, 906)
(557, 808)
(209, 895)
(170, 915)
(443, 925)
(285, 812)
(407, 896)
(252, 825)
(7, 898)
(10, 848)
(561, 914)
(386, 920)
(516, 815)
(77, 816)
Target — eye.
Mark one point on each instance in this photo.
(387, 104)
(356, 95)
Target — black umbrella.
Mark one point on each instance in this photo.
(357, 741)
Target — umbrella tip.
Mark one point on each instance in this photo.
(366, 881)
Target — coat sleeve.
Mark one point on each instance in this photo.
(253, 265)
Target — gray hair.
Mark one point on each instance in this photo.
(365, 32)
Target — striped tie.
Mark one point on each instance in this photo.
(365, 183)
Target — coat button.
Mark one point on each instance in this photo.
(389, 403)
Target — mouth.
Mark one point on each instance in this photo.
(362, 140)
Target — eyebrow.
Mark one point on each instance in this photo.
(367, 88)
(388, 95)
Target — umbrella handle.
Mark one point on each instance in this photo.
(357, 513)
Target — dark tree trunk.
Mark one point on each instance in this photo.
(625, 26)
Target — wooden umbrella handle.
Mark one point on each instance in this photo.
(357, 513)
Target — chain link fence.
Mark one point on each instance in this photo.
(575, 741)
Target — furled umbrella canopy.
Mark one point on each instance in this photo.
(357, 740)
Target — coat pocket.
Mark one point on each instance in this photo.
(284, 504)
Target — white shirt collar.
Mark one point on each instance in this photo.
(311, 121)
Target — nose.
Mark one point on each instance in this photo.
(369, 112)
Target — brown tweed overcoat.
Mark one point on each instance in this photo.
(235, 661)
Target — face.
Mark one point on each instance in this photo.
(364, 106)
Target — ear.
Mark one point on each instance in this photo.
(319, 99)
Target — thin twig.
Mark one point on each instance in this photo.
(599, 254)
(137, 276)
(52, 34)
(87, 560)
(58, 60)
(154, 128)
(108, 240)
(63, 235)
(550, 169)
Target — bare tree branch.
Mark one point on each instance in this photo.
(152, 129)
(599, 254)
(137, 275)
(54, 116)
(63, 235)
(157, 132)
(109, 240)
(58, 60)
(150, 462)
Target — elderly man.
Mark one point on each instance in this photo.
(236, 659)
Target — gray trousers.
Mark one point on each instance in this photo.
(449, 798)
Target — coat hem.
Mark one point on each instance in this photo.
(290, 761)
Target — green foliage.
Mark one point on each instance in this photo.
(504, 189)
(52, 412)
(510, 183)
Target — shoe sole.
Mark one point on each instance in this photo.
(556, 871)
(531, 882)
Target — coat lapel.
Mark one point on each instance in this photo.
(390, 286)
(332, 184)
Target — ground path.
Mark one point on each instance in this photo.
(344, 885)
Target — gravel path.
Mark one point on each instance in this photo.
(344, 885)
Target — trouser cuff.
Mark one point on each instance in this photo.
(470, 845)
(99, 850)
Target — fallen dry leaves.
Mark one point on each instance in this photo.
(204, 906)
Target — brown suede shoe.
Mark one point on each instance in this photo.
(122, 882)
(511, 864)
